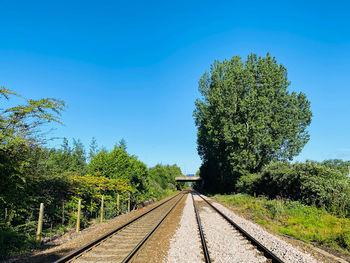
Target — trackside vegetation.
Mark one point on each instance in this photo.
(32, 173)
(311, 183)
(250, 127)
(307, 223)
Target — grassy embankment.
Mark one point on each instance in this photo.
(291, 218)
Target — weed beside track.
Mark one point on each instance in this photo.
(291, 218)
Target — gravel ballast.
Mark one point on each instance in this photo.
(185, 245)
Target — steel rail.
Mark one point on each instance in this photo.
(90, 245)
(260, 247)
(204, 243)
(139, 245)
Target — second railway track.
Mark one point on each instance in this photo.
(231, 242)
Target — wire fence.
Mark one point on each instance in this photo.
(59, 217)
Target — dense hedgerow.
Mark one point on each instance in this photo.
(311, 183)
(57, 192)
(60, 193)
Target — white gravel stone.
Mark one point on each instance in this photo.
(185, 246)
(281, 248)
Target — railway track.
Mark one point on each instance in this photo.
(123, 243)
(253, 245)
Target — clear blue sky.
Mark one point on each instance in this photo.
(129, 69)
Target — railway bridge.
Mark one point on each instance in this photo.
(187, 178)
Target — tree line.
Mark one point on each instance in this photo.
(251, 126)
(32, 173)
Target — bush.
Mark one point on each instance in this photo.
(13, 240)
(247, 183)
(311, 183)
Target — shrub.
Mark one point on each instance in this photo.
(248, 183)
(311, 183)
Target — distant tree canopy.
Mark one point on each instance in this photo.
(118, 164)
(65, 159)
(246, 118)
(165, 174)
(339, 165)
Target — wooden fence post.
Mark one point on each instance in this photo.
(101, 220)
(117, 204)
(129, 202)
(78, 216)
(40, 223)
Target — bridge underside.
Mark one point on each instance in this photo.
(188, 178)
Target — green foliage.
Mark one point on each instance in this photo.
(161, 180)
(311, 183)
(165, 175)
(119, 164)
(122, 144)
(14, 240)
(292, 218)
(19, 151)
(247, 118)
(93, 148)
(78, 163)
(247, 183)
(52, 190)
(31, 174)
(19, 124)
(88, 186)
(90, 190)
(339, 165)
(66, 159)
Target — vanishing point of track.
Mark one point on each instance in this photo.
(123, 243)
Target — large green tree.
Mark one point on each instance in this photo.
(246, 118)
(21, 135)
